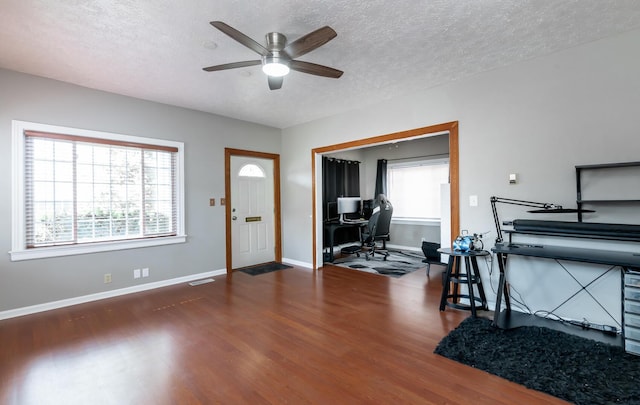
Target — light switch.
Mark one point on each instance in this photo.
(513, 178)
(473, 200)
(212, 202)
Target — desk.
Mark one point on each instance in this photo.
(454, 277)
(332, 226)
(624, 260)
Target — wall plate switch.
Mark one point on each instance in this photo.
(513, 178)
(222, 201)
(107, 278)
(473, 200)
(212, 202)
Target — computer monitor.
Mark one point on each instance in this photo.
(349, 205)
(332, 211)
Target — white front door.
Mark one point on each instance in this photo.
(252, 211)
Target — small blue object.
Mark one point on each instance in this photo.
(463, 243)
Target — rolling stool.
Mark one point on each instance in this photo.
(454, 276)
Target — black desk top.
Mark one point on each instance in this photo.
(611, 236)
(625, 259)
(345, 224)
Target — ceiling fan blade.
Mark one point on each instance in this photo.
(310, 42)
(313, 69)
(232, 65)
(240, 37)
(275, 82)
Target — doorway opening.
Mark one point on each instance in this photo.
(450, 127)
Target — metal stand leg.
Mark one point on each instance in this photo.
(469, 277)
(447, 282)
(502, 289)
(478, 282)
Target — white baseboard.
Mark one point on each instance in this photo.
(408, 248)
(13, 313)
(297, 263)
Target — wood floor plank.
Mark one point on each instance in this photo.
(333, 336)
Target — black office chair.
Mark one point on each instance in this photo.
(378, 228)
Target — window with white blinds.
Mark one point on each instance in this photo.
(414, 188)
(87, 190)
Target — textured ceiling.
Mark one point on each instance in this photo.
(156, 49)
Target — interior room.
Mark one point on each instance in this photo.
(151, 160)
(408, 230)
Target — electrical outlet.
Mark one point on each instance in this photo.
(145, 272)
(136, 273)
(107, 278)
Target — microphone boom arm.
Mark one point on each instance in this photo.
(494, 200)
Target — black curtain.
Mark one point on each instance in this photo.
(340, 178)
(381, 178)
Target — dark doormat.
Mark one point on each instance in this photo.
(264, 268)
(566, 366)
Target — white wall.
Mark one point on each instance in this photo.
(34, 99)
(539, 119)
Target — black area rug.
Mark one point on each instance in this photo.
(569, 367)
(397, 264)
(264, 268)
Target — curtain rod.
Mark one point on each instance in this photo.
(419, 157)
(342, 160)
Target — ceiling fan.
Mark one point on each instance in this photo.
(278, 57)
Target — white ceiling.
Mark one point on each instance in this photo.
(156, 49)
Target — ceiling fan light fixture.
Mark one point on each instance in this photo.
(274, 66)
(278, 57)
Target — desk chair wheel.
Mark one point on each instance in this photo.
(384, 255)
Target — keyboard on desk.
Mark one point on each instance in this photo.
(360, 221)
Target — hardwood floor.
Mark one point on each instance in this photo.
(334, 336)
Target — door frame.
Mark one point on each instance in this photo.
(454, 169)
(277, 229)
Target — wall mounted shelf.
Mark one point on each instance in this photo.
(580, 170)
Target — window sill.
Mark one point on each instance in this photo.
(415, 221)
(58, 251)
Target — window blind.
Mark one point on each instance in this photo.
(85, 190)
(414, 189)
